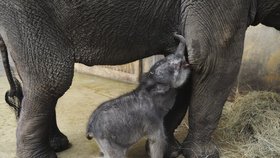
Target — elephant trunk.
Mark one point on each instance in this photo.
(182, 45)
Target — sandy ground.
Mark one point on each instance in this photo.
(73, 110)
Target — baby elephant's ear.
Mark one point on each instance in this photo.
(146, 79)
(143, 77)
(161, 88)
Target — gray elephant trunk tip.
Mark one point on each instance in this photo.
(182, 45)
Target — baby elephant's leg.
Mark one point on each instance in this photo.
(102, 153)
(157, 142)
(110, 149)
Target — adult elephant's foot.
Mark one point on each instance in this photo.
(195, 149)
(31, 137)
(42, 153)
(59, 142)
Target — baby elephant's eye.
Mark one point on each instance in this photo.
(176, 66)
(170, 71)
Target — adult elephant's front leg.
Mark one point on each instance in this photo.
(210, 94)
(215, 33)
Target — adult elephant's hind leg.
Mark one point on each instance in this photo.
(40, 98)
(58, 141)
(45, 79)
(45, 62)
(33, 127)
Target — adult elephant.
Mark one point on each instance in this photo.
(46, 38)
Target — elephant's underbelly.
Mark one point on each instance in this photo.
(119, 32)
(113, 44)
(120, 51)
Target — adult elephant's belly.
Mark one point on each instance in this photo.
(113, 50)
(117, 34)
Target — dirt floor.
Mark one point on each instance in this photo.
(73, 110)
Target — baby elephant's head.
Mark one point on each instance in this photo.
(173, 70)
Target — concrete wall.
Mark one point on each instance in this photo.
(127, 72)
(260, 68)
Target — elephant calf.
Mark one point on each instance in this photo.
(119, 123)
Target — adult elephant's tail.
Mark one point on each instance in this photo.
(13, 96)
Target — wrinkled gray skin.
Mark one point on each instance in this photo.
(46, 38)
(119, 123)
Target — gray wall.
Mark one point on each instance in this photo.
(260, 68)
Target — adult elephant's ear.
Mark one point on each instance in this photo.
(252, 14)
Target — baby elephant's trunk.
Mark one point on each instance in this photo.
(182, 45)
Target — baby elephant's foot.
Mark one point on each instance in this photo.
(192, 149)
(101, 154)
(173, 149)
(59, 142)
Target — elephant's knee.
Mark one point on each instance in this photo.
(47, 88)
(216, 71)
